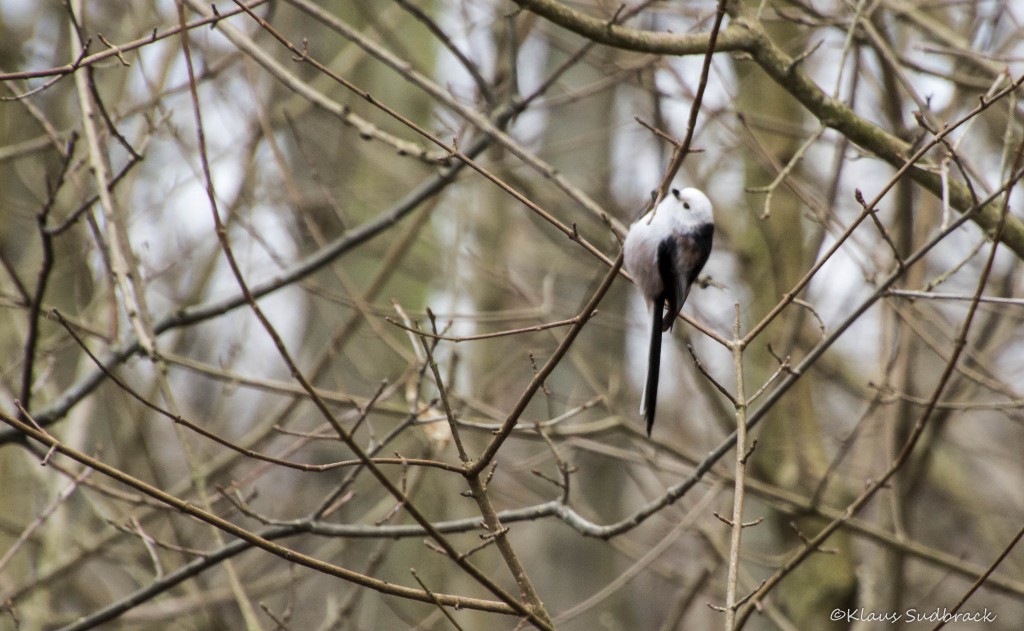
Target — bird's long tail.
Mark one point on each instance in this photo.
(649, 403)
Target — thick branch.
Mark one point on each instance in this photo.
(605, 32)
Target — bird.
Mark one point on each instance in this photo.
(664, 251)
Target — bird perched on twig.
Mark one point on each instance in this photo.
(664, 252)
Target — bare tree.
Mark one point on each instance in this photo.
(315, 317)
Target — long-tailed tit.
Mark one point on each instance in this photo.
(664, 254)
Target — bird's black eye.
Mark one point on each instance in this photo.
(686, 205)
(675, 193)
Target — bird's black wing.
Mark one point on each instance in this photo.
(692, 251)
(668, 255)
(699, 249)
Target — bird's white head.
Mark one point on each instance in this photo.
(689, 205)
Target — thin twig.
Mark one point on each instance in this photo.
(680, 152)
(700, 366)
(739, 484)
(485, 336)
(437, 602)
